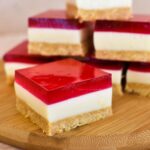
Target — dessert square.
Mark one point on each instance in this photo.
(115, 68)
(62, 95)
(99, 9)
(18, 58)
(52, 33)
(123, 40)
(138, 79)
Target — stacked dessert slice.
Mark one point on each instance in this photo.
(123, 40)
(63, 95)
(52, 33)
(99, 9)
(138, 78)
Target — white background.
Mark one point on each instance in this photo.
(14, 14)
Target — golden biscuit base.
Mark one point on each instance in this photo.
(63, 125)
(123, 55)
(47, 49)
(139, 89)
(106, 14)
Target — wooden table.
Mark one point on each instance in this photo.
(128, 127)
(7, 147)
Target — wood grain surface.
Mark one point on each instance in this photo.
(7, 147)
(128, 127)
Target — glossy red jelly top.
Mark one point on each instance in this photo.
(137, 24)
(20, 54)
(140, 67)
(103, 64)
(58, 81)
(54, 19)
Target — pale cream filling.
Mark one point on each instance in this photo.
(138, 77)
(116, 75)
(57, 36)
(11, 67)
(100, 4)
(71, 107)
(117, 41)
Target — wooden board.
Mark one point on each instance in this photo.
(128, 127)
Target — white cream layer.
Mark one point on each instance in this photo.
(71, 107)
(116, 75)
(11, 67)
(100, 4)
(116, 41)
(138, 77)
(56, 36)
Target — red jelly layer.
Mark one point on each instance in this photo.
(103, 64)
(140, 67)
(54, 19)
(20, 54)
(58, 81)
(137, 24)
